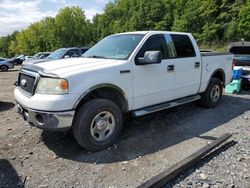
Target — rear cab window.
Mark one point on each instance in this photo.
(183, 46)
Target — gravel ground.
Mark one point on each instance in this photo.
(227, 166)
(30, 157)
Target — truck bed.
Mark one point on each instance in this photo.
(214, 61)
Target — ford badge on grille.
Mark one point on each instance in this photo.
(23, 82)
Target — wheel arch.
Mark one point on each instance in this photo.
(220, 74)
(106, 91)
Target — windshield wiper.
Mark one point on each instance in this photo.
(96, 56)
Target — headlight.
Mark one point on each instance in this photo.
(52, 86)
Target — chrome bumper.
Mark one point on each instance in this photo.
(47, 120)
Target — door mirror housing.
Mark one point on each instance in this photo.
(150, 57)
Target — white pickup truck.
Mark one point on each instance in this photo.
(129, 73)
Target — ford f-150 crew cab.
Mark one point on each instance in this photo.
(129, 73)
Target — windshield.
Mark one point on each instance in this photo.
(115, 47)
(57, 54)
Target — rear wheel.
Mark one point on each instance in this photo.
(213, 93)
(4, 68)
(97, 124)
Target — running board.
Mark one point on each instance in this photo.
(166, 105)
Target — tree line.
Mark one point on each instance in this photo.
(212, 22)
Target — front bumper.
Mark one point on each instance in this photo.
(54, 121)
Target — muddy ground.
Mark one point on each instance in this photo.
(30, 157)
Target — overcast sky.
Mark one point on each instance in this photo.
(18, 14)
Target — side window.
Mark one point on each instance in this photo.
(183, 46)
(153, 43)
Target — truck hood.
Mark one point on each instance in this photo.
(67, 66)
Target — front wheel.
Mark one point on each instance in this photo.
(4, 68)
(213, 93)
(97, 124)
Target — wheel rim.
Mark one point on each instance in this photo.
(215, 93)
(102, 126)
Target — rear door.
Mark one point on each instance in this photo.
(187, 66)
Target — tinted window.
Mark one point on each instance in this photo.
(57, 54)
(72, 53)
(154, 43)
(83, 50)
(240, 50)
(183, 45)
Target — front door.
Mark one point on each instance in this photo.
(154, 83)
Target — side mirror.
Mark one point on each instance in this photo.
(151, 57)
(66, 57)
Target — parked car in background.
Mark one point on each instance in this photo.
(65, 53)
(5, 64)
(60, 53)
(28, 57)
(241, 51)
(18, 60)
(3, 59)
(22, 57)
(42, 55)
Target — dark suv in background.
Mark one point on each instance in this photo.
(241, 51)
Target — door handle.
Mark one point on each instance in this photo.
(170, 68)
(197, 65)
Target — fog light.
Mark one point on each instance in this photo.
(40, 119)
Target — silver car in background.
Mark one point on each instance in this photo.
(5, 65)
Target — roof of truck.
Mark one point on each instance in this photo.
(151, 32)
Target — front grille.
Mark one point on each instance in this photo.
(26, 83)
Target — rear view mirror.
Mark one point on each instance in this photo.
(150, 57)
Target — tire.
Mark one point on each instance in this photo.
(97, 124)
(4, 68)
(213, 93)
